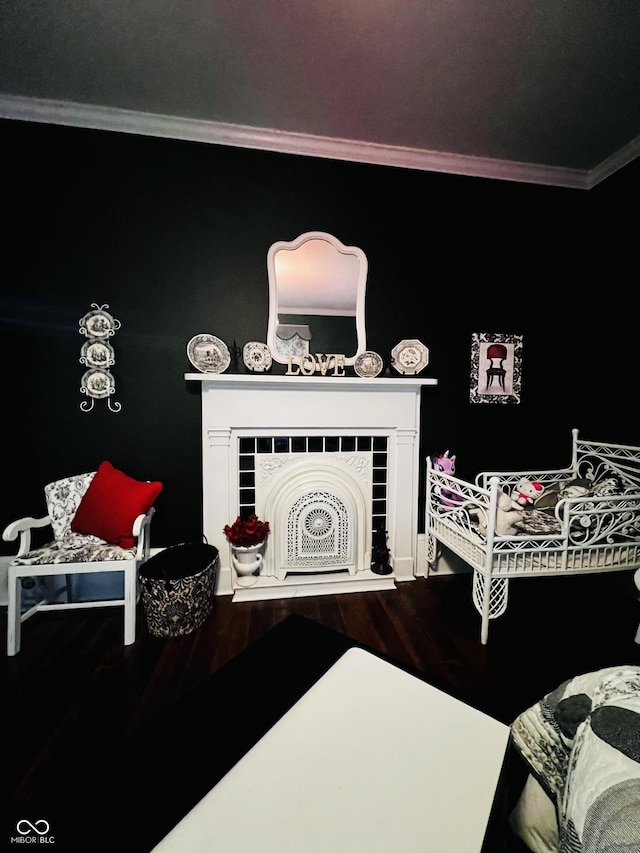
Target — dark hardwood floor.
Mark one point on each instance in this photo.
(74, 686)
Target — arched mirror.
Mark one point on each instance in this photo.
(316, 298)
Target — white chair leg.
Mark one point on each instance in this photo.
(14, 607)
(130, 600)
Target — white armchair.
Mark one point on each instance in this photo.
(100, 522)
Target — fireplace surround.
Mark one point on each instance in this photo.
(327, 461)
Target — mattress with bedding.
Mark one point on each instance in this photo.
(541, 518)
(581, 744)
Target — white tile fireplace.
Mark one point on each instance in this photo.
(326, 460)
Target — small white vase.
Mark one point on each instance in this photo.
(247, 561)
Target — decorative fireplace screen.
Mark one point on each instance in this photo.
(318, 530)
(318, 527)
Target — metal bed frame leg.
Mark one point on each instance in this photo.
(636, 579)
(486, 605)
(490, 597)
(431, 553)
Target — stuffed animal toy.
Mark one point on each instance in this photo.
(447, 465)
(527, 492)
(444, 463)
(508, 515)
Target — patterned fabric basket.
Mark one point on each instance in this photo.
(177, 587)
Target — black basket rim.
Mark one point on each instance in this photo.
(155, 568)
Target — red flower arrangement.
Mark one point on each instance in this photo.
(247, 532)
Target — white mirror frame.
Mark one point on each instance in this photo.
(359, 308)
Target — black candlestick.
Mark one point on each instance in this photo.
(380, 553)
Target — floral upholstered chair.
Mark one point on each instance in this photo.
(100, 522)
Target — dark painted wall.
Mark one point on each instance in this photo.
(173, 236)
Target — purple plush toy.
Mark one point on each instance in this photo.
(447, 464)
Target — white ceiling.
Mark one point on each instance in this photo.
(544, 91)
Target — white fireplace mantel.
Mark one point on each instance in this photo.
(236, 406)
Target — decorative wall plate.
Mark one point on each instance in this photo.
(99, 324)
(98, 384)
(256, 356)
(410, 357)
(208, 354)
(97, 354)
(368, 364)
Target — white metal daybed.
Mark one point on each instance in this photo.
(588, 522)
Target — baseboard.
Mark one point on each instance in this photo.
(448, 562)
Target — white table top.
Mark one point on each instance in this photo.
(337, 775)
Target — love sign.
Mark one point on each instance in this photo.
(307, 365)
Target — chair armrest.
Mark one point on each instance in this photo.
(142, 534)
(23, 527)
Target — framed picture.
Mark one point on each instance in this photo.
(496, 368)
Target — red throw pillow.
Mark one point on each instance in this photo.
(112, 503)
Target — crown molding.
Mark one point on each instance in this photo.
(243, 136)
(613, 164)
